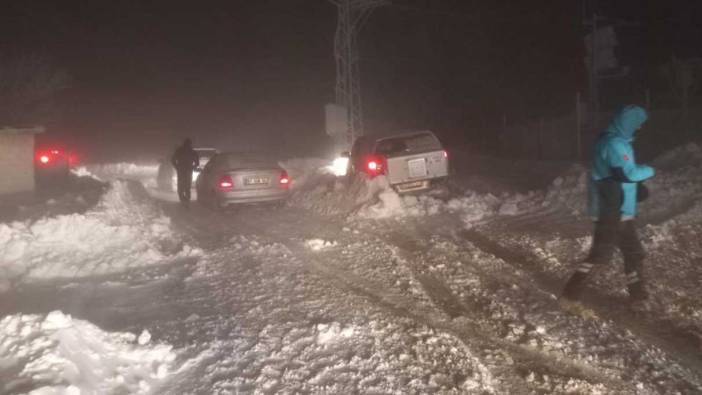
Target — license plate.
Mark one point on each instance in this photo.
(408, 186)
(256, 180)
(417, 167)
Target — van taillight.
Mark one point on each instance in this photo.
(374, 165)
(226, 183)
(284, 179)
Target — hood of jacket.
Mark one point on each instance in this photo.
(627, 121)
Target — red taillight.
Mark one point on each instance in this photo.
(226, 183)
(375, 165)
(284, 179)
(73, 159)
(446, 154)
(44, 159)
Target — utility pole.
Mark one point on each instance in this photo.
(352, 14)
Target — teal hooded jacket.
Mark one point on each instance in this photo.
(613, 158)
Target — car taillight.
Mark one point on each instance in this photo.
(44, 159)
(73, 159)
(284, 179)
(446, 154)
(375, 165)
(226, 183)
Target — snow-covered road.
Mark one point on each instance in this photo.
(348, 289)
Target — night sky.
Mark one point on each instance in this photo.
(257, 73)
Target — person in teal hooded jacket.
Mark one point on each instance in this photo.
(615, 181)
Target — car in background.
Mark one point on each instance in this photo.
(414, 161)
(232, 178)
(167, 179)
(52, 165)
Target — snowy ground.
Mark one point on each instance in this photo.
(350, 288)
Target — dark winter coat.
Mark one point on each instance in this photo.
(185, 159)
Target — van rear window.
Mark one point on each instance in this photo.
(411, 144)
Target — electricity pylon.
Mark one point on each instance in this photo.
(352, 14)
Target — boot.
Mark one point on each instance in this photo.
(637, 291)
(575, 286)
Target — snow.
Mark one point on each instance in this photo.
(145, 172)
(57, 354)
(350, 288)
(320, 244)
(124, 230)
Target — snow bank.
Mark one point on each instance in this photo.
(124, 230)
(144, 173)
(56, 354)
(372, 198)
(676, 189)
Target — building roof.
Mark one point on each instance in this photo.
(12, 130)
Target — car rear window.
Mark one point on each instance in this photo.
(205, 155)
(410, 144)
(245, 161)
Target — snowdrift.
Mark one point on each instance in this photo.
(124, 230)
(144, 173)
(675, 189)
(318, 190)
(56, 354)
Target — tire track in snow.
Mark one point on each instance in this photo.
(468, 332)
(452, 317)
(679, 343)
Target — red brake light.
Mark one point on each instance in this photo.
(73, 159)
(375, 165)
(284, 179)
(226, 183)
(44, 159)
(446, 154)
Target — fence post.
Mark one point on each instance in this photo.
(578, 127)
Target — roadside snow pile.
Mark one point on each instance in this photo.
(569, 190)
(124, 230)
(56, 354)
(144, 173)
(316, 189)
(676, 190)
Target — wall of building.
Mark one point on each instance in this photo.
(16, 162)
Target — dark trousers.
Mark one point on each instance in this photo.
(611, 234)
(607, 238)
(185, 181)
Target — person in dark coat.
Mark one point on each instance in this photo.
(615, 187)
(185, 160)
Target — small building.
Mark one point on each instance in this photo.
(17, 159)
